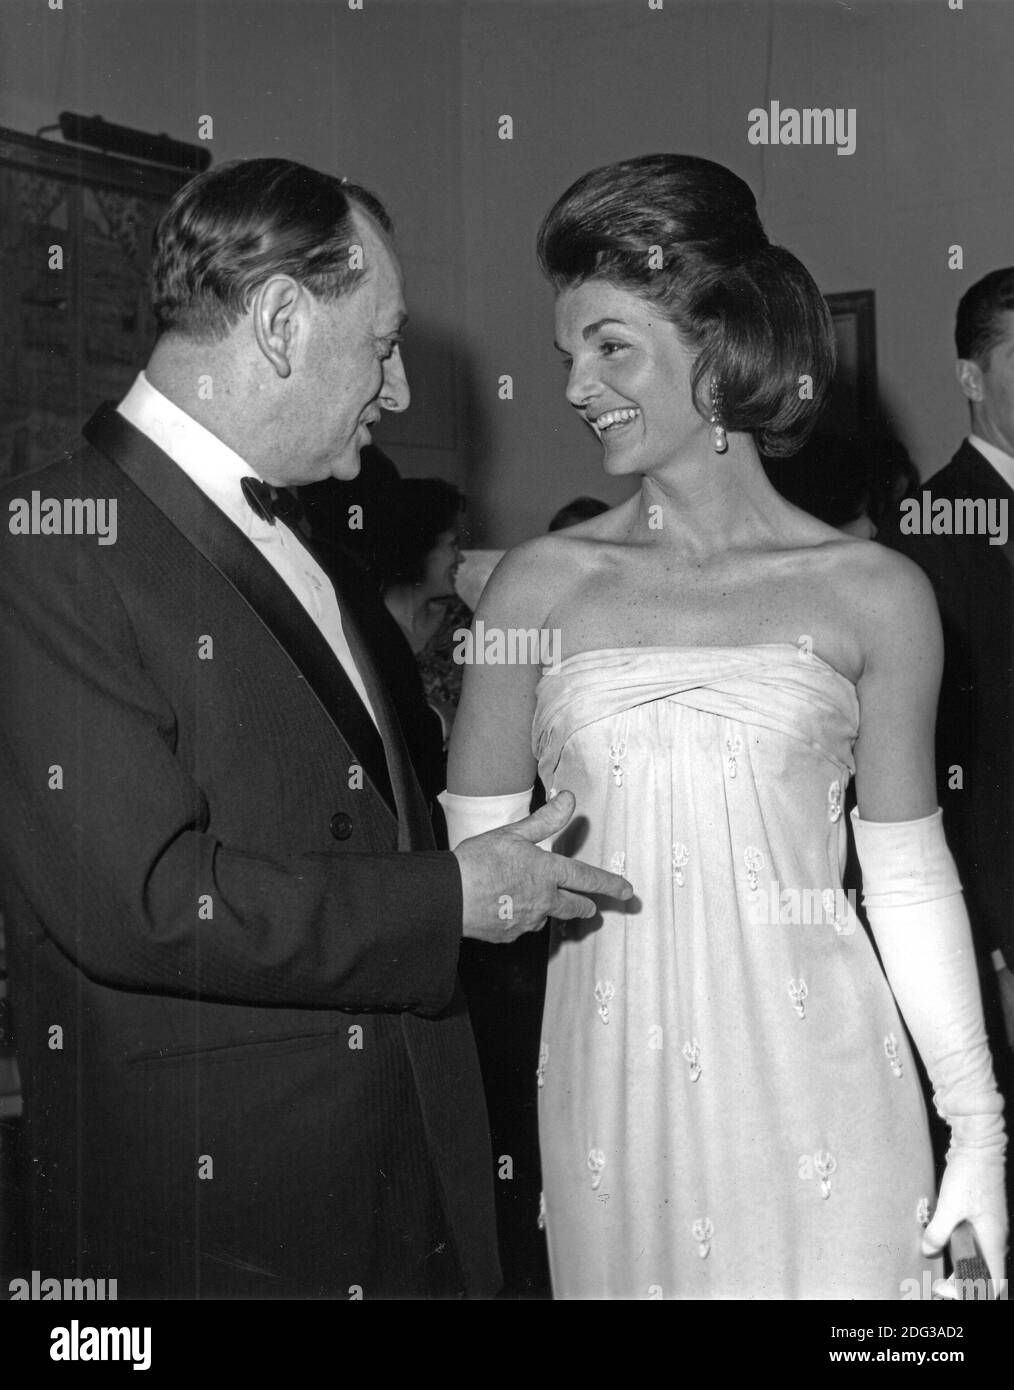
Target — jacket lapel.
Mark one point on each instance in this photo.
(359, 618)
(270, 600)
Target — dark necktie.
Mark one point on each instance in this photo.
(271, 503)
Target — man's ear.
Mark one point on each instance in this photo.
(969, 376)
(274, 308)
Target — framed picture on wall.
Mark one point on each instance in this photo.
(75, 250)
(851, 407)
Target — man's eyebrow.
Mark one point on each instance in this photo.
(592, 328)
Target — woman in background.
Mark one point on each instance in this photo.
(728, 1104)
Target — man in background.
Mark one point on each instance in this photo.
(968, 554)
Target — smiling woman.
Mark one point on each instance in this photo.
(727, 1104)
(682, 235)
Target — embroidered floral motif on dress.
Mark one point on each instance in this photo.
(596, 1162)
(798, 993)
(754, 861)
(703, 1231)
(733, 747)
(825, 1164)
(604, 991)
(835, 911)
(617, 752)
(891, 1052)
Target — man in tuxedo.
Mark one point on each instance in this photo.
(248, 1068)
(971, 570)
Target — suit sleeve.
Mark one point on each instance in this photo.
(109, 841)
(970, 800)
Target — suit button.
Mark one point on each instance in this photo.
(341, 825)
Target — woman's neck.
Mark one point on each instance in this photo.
(708, 504)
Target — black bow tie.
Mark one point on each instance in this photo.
(270, 502)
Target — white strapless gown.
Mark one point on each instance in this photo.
(728, 1102)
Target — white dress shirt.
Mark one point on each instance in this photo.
(1003, 463)
(217, 470)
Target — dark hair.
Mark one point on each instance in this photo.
(979, 327)
(831, 477)
(837, 478)
(226, 231)
(581, 509)
(750, 310)
(421, 510)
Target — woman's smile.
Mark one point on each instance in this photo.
(612, 422)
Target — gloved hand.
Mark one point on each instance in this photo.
(972, 1190)
(917, 913)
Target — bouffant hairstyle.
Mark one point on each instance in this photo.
(979, 325)
(421, 510)
(230, 229)
(684, 234)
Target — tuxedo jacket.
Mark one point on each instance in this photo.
(974, 585)
(248, 1067)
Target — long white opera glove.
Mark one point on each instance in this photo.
(474, 815)
(916, 909)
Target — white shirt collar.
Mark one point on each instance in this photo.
(218, 471)
(213, 466)
(1003, 463)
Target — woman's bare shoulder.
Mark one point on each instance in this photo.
(878, 578)
(891, 601)
(532, 576)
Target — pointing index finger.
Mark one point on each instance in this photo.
(585, 878)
